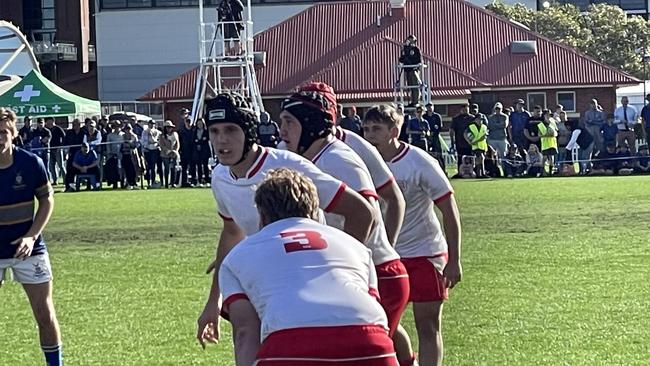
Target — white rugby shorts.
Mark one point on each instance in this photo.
(31, 271)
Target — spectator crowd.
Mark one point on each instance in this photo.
(514, 142)
(509, 142)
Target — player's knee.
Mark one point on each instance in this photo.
(428, 327)
(45, 315)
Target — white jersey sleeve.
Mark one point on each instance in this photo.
(329, 188)
(235, 196)
(339, 160)
(231, 289)
(379, 171)
(433, 180)
(222, 208)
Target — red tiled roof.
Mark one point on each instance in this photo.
(465, 46)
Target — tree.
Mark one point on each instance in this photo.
(603, 32)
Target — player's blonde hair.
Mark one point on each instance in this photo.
(286, 193)
(384, 114)
(8, 117)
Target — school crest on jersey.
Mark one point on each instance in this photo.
(19, 182)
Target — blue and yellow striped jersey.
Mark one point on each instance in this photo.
(22, 182)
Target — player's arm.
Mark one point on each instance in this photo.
(245, 331)
(209, 319)
(395, 208)
(25, 244)
(357, 211)
(453, 271)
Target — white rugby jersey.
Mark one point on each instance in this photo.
(423, 183)
(338, 160)
(236, 197)
(298, 273)
(379, 172)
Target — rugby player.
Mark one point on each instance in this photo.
(307, 129)
(385, 185)
(431, 258)
(23, 178)
(232, 126)
(316, 305)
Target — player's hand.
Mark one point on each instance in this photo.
(25, 247)
(211, 267)
(452, 274)
(208, 325)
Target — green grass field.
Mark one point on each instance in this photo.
(556, 273)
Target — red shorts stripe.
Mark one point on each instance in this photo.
(393, 291)
(359, 345)
(427, 284)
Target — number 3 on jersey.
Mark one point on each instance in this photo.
(302, 240)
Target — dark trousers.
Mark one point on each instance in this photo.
(152, 160)
(188, 169)
(203, 171)
(112, 171)
(129, 169)
(69, 173)
(462, 151)
(92, 171)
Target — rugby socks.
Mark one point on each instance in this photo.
(53, 355)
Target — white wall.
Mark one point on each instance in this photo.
(165, 36)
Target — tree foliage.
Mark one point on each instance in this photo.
(603, 32)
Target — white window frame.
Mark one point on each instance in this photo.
(530, 107)
(557, 99)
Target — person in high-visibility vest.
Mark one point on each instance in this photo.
(548, 135)
(476, 135)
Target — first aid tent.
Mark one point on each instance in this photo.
(36, 96)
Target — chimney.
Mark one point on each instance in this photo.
(397, 8)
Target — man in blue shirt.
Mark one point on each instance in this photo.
(23, 177)
(418, 130)
(518, 122)
(435, 124)
(608, 131)
(86, 162)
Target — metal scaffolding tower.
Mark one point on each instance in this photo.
(220, 71)
(402, 90)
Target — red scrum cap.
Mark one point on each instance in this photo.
(326, 91)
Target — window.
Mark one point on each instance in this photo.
(113, 4)
(156, 109)
(128, 107)
(633, 4)
(139, 3)
(568, 100)
(168, 2)
(142, 108)
(538, 98)
(441, 109)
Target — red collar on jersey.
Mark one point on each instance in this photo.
(401, 154)
(318, 156)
